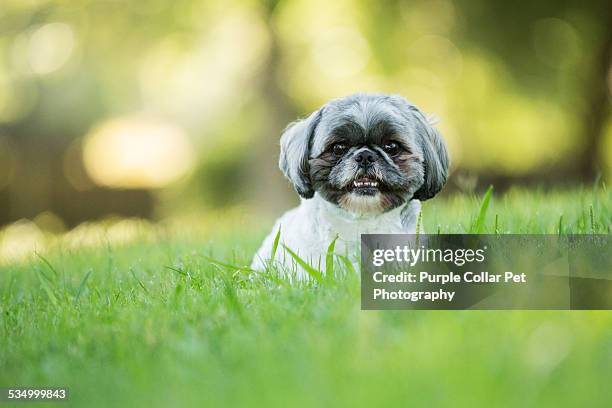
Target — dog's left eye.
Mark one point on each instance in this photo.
(339, 149)
(391, 148)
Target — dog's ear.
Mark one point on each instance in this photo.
(295, 151)
(435, 157)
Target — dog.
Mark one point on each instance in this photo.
(361, 164)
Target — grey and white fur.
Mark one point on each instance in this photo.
(361, 164)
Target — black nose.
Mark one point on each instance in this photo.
(365, 158)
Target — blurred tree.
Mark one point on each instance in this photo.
(281, 110)
(501, 28)
(232, 75)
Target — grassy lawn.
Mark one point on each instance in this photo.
(137, 314)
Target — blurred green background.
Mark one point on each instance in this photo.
(156, 108)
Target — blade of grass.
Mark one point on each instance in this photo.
(82, 285)
(47, 289)
(139, 281)
(228, 266)
(418, 227)
(275, 246)
(230, 293)
(46, 262)
(177, 270)
(243, 269)
(309, 269)
(329, 259)
(496, 229)
(347, 263)
(482, 213)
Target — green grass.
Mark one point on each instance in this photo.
(162, 315)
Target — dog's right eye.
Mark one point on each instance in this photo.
(339, 149)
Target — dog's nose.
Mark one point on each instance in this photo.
(365, 158)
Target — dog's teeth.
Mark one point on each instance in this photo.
(365, 183)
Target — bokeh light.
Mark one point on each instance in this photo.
(197, 81)
(50, 47)
(20, 241)
(137, 152)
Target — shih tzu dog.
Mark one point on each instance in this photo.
(361, 164)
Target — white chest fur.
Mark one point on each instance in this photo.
(309, 229)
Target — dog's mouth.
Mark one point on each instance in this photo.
(364, 186)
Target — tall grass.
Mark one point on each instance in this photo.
(174, 317)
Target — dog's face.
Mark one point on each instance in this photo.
(366, 154)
